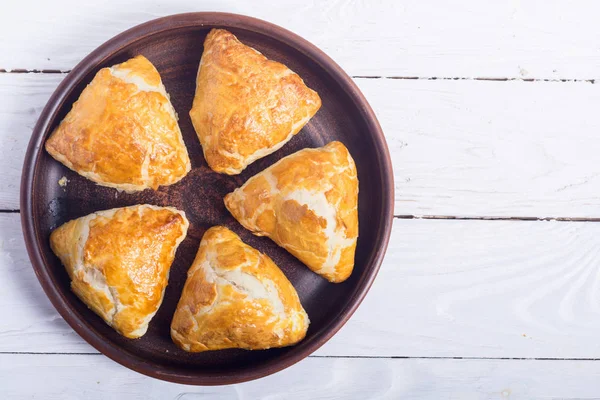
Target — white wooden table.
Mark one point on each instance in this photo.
(491, 284)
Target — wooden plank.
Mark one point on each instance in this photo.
(446, 288)
(475, 148)
(22, 98)
(96, 377)
(466, 148)
(445, 39)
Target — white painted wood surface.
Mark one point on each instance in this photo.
(459, 148)
(469, 38)
(519, 299)
(95, 377)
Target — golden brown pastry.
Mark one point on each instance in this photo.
(119, 260)
(306, 203)
(123, 131)
(236, 297)
(246, 106)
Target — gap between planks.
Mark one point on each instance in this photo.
(478, 78)
(423, 78)
(458, 218)
(350, 357)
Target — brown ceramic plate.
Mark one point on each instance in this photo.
(174, 45)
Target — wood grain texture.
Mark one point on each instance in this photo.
(447, 288)
(462, 148)
(22, 98)
(480, 148)
(543, 40)
(67, 377)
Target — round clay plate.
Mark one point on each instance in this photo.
(174, 45)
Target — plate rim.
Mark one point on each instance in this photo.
(55, 103)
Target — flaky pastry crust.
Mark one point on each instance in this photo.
(308, 204)
(122, 132)
(119, 260)
(246, 106)
(236, 297)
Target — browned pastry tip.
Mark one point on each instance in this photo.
(246, 106)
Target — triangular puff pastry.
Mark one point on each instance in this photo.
(119, 260)
(246, 106)
(306, 203)
(123, 131)
(236, 297)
